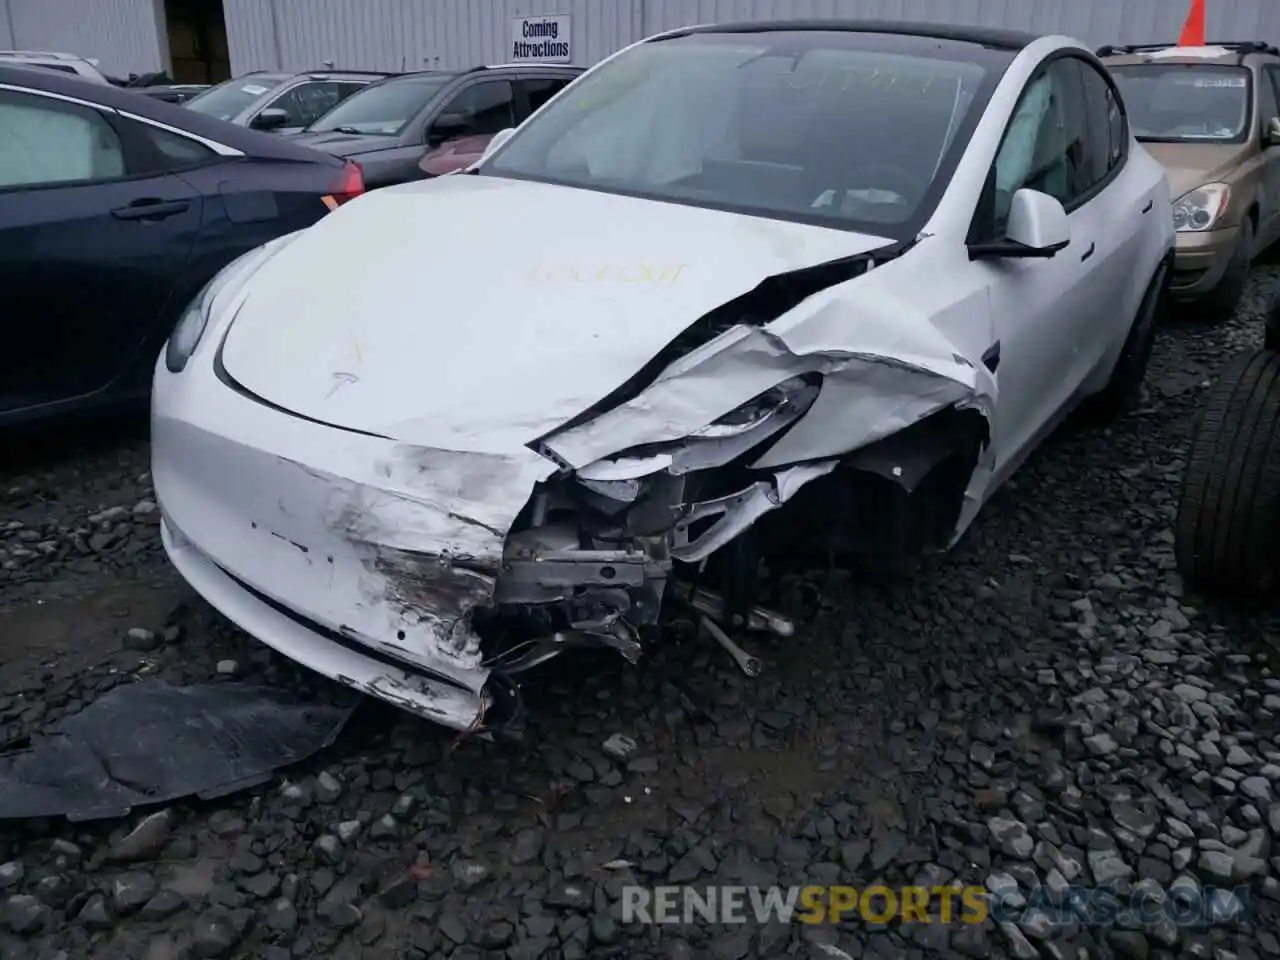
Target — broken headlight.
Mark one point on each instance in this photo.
(775, 402)
(718, 443)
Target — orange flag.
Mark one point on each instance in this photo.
(1193, 29)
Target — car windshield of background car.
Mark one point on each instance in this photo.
(381, 110)
(1179, 102)
(227, 100)
(788, 124)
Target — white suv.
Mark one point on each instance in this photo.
(61, 62)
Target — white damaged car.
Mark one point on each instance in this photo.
(737, 289)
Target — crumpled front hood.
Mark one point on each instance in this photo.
(476, 314)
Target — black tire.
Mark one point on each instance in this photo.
(1122, 389)
(1272, 341)
(1219, 304)
(1227, 537)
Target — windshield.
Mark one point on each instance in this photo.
(1186, 102)
(229, 98)
(843, 128)
(382, 110)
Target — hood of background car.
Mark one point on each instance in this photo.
(1191, 165)
(344, 144)
(476, 313)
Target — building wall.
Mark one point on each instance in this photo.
(409, 34)
(129, 35)
(6, 32)
(123, 35)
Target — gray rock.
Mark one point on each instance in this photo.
(145, 840)
(25, 915)
(11, 874)
(1256, 788)
(328, 789)
(1108, 867)
(130, 891)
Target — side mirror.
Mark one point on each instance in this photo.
(447, 126)
(1272, 135)
(272, 118)
(1037, 227)
(498, 139)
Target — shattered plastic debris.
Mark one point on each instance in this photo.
(148, 743)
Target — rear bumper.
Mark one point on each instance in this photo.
(1200, 260)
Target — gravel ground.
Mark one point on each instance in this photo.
(1045, 706)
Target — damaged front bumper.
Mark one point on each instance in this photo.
(391, 569)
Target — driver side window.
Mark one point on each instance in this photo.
(1045, 147)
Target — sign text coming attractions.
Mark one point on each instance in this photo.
(542, 39)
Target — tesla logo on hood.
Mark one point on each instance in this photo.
(340, 380)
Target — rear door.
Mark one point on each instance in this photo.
(92, 240)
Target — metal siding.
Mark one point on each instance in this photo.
(1093, 21)
(6, 36)
(122, 35)
(410, 34)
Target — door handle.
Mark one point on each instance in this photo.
(151, 208)
(1147, 208)
(1088, 253)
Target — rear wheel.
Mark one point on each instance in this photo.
(1219, 304)
(1228, 525)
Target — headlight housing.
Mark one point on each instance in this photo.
(191, 325)
(1201, 209)
(190, 328)
(719, 442)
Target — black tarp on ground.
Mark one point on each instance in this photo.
(148, 742)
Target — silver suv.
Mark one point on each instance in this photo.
(81, 67)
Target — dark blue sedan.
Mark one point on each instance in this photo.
(115, 210)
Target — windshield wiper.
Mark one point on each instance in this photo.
(347, 130)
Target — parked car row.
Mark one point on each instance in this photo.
(400, 127)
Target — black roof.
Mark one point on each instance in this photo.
(252, 142)
(1011, 40)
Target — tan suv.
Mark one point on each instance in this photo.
(1211, 116)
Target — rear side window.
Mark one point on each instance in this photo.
(543, 89)
(47, 142)
(488, 107)
(181, 151)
